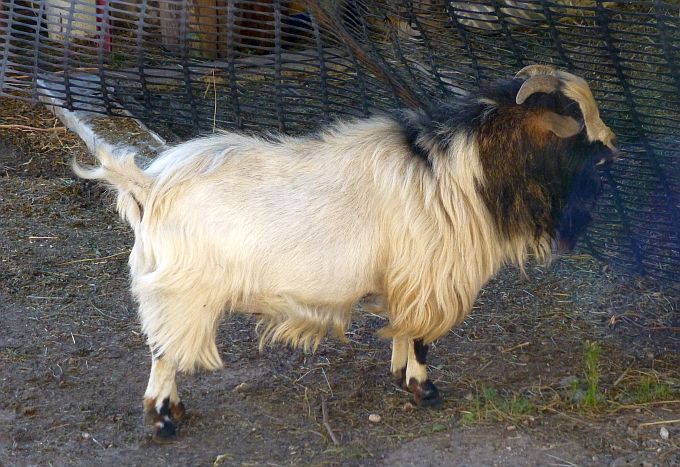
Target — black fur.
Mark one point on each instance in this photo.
(535, 182)
(420, 350)
(411, 129)
(429, 130)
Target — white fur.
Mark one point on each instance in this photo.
(161, 384)
(414, 369)
(400, 348)
(297, 230)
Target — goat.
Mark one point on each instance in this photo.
(419, 208)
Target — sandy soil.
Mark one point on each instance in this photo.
(513, 376)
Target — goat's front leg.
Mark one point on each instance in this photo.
(162, 406)
(424, 391)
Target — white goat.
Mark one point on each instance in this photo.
(421, 208)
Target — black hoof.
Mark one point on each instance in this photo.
(429, 396)
(165, 420)
(425, 394)
(165, 431)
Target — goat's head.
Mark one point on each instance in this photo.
(541, 146)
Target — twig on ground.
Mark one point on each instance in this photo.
(85, 260)
(327, 382)
(324, 415)
(32, 128)
(104, 314)
(661, 422)
(515, 347)
(573, 419)
(620, 378)
(641, 404)
(564, 462)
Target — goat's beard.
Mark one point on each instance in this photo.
(576, 215)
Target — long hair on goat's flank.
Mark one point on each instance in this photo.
(447, 248)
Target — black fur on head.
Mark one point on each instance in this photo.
(535, 182)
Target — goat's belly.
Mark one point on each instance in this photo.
(316, 246)
(321, 277)
(245, 263)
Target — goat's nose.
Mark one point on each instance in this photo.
(612, 155)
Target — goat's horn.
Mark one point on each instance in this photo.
(576, 88)
(539, 83)
(533, 70)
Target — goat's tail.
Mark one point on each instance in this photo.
(126, 177)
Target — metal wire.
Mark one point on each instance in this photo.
(186, 67)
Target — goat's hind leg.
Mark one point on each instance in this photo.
(180, 326)
(162, 406)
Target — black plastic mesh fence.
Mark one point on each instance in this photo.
(188, 66)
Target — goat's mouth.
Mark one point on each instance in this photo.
(607, 157)
(573, 225)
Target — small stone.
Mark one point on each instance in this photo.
(407, 407)
(374, 418)
(85, 435)
(221, 459)
(663, 432)
(243, 387)
(511, 427)
(468, 396)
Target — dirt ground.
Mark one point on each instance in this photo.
(572, 364)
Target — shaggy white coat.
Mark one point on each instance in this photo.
(297, 230)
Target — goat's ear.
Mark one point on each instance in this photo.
(560, 125)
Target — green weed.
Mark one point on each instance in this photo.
(645, 388)
(487, 404)
(591, 360)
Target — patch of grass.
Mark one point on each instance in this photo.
(437, 427)
(630, 389)
(486, 404)
(586, 392)
(348, 452)
(645, 388)
(591, 360)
